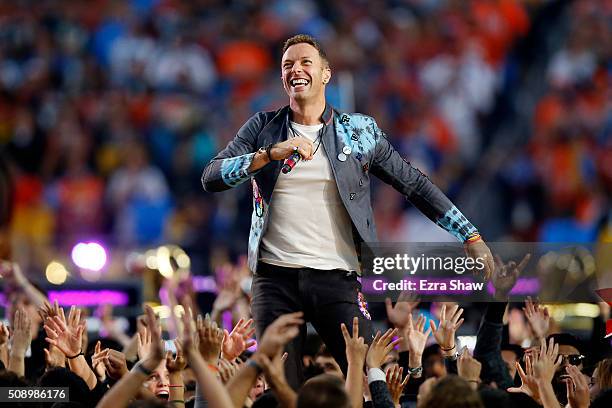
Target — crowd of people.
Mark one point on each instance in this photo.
(188, 359)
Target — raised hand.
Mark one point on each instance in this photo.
(227, 369)
(414, 339)
(548, 361)
(115, 364)
(4, 334)
(144, 342)
(97, 361)
(54, 357)
(154, 352)
(577, 388)
(380, 347)
(239, 339)
(529, 384)
(505, 276)
(538, 318)
(469, 368)
(210, 339)
(395, 383)
(449, 323)
(356, 349)
(66, 337)
(279, 333)
(21, 336)
(178, 363)
(398, 314)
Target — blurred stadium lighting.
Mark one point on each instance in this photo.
(90, 256)
(163, 262)
(56, 273)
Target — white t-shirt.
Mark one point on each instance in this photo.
(308, 225)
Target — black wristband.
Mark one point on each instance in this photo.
(268, 149)
(73, 357)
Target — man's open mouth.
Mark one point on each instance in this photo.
(299, 82)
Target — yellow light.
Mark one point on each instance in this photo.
(183, 261)
(178, 310)
(151, 259)
(162, 311)
(163, 262)
(56, 273)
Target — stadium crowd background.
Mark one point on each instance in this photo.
(109, 111)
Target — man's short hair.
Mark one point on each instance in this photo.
(306, 39)
(323, 391)
(566, 339)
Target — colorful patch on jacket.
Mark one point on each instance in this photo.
(363, 306)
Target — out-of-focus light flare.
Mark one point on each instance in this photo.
(90, 255)
(183, 261)
(56, 273)
(163, 262)
(162, 311)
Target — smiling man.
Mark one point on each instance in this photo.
(308, 224)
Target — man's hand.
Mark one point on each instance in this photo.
(538, 318)
(282, 150)
(97, 361)
(380, 347)
(469, 368)
(4, 334)
(227, 369)
(115, 364)
(395, 383)
(21, 338)
(445, 332)
(54, 357)
(577, 388)
(356, 349)
(398, 314)
(67, 338)
(238, 340)
(279, 333)
(479, 249)
(529, 384)
(210, 339)
(178, 363)
(414, 339)
(505, 276)
(155, 352)
(548, 361)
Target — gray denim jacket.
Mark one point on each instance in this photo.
(370, 154)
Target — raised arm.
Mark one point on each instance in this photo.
(356, 351)
(390, 167)
(125, 389)
(274, 339)
(67, 336)
(212, 389)
(20, 341)
(12, 272)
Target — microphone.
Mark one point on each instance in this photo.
(291, 161)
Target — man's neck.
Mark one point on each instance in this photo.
(307, 113)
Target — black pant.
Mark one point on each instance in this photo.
(327, 299)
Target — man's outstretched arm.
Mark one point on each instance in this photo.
(390, 167)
